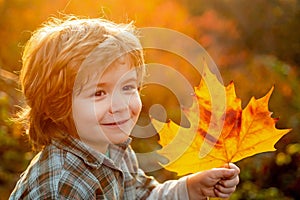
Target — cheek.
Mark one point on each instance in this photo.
(84, 111)
(136, 105)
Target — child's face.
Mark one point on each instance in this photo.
(108, 107)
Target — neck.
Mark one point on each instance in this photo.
(101, 148)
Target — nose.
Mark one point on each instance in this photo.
(118, 103)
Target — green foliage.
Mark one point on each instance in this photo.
(247, 190)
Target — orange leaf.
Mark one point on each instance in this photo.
(220, 131)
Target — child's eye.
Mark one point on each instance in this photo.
(100, 93)
(129, 87)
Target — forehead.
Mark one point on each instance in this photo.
(124, 61)
(119, 70)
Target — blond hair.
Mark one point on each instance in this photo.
(51, 60)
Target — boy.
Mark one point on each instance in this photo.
(81, 80)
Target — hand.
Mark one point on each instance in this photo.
(217, 182)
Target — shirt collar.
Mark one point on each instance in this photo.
(90, 156)
(117, 151)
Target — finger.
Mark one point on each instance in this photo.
(227, 190)
(223, 192)
(229, 182)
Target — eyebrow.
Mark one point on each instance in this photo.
(100, 84)
(132, 79)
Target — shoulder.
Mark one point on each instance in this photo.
(54, 173)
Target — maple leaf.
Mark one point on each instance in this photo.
(220, 131)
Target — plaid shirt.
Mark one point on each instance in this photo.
(69, 169)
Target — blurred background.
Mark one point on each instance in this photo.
(254, 43)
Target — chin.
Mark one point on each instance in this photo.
(119, 140)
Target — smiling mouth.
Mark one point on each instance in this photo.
(115, 123)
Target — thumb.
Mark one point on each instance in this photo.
(232, 166)
(223, 173)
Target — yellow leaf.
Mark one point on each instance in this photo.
(219, 132)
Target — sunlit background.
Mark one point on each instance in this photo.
(254, 43)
